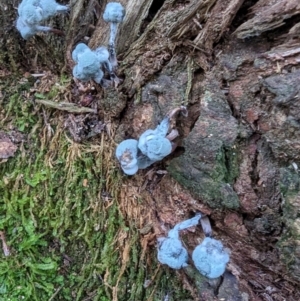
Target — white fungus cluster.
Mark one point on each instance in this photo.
(209, 257)
(92, 64)
(113, 14)
(151, 147)
(33, 12)
(171, 251)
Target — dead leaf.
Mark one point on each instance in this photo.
(7, 148)
(85, 183)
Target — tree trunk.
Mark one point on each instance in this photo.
(77, 228)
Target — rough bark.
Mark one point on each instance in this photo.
(235, 65)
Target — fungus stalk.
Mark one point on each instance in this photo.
(113, 34)
(170, 250)
(181, 109)
(104, 56)
(111, 45)
(114, 14)
(173, 134)
(206, 226)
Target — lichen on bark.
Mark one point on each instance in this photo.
(206, 167)
(288, 244)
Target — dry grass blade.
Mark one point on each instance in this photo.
(65, 106)
(5, 247)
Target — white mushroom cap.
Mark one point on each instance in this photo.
(210, 258)
(126, 153)
(114, 12)
(102, 53)
(172, 253)
(80, 48)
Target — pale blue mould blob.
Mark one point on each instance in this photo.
(103, 56)
(88, 64)
(51, 7)
(210, 258)
(29, 31)
(32, 12)
(81, 75)
(79, 49)
(114, 14)
(35, 11)
(154, 144)
(155, 147)
(171, 251)
(25, 31)
(126, 153)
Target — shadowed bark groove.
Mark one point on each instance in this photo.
(267, 16)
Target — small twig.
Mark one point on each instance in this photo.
(173, 134)
(57, 31)
(5, 247)
(181, 109)
(65, 106)
(281, 54)
(206, 226)
(38, 74)
(55, 294)
(197, 23)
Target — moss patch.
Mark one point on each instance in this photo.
(289, 243)
(213, 191)
(60, 212)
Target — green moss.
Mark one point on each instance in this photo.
(213, 186)
(209, 165)
(288, 244)
(290, 188)
(232, 164)
(63, 235)
(226, 168)
(289, 182)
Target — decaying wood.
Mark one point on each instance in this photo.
(268, 15)
(136, 13)
(288, 52)
(185, 15)
(220, 19)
